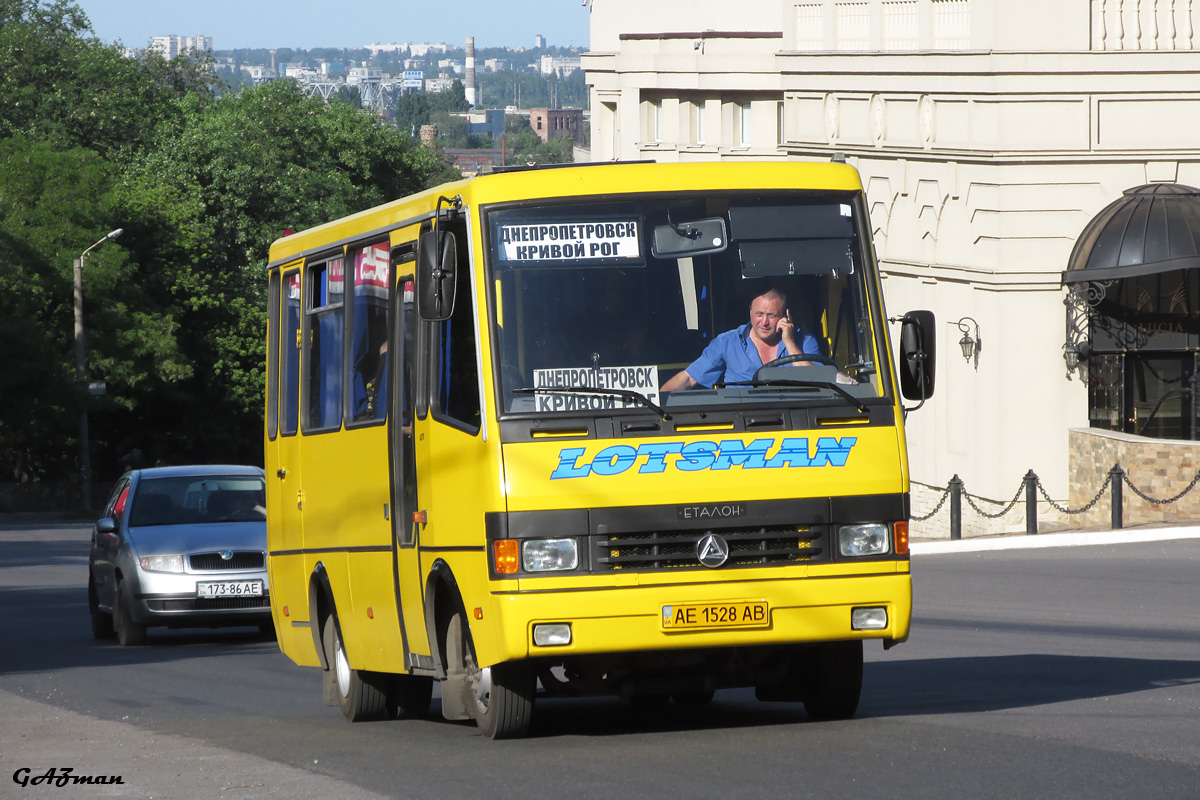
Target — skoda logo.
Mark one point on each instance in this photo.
(226, 555)
(712, 550)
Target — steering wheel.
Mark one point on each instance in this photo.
(788, 359)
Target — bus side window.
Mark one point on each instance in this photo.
(289, 361)
(323, 372)
(369, 325)
(456, 375)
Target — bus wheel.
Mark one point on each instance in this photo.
(502, 693)
(358, 692)
(835, 681)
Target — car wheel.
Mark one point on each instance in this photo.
(359, 694)
(102, 624)
(129, 633)
(502, 693)
(835, 681)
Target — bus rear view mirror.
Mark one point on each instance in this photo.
(437, 259)
(687, 239)
(917, 351)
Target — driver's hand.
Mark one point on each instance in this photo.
(787, 329)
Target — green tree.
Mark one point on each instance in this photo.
(254, 164)
(202, 179)
(523, 146)
(419, 108)
(53, 204)
(60, 86)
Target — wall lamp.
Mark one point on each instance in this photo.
(970, 346)
(1075, 354)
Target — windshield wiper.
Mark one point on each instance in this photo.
(803, 384)
(622, 393)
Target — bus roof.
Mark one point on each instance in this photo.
(574, 180)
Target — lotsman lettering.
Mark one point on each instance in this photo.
(747, 456)
(614, 460)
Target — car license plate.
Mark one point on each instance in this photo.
(689, 616)
(230, 589)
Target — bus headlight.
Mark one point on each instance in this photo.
(549, 555)
(870, 539)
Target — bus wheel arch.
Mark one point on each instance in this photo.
(360, 695)
(442, 599)
(320, 601)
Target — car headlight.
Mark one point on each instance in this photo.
(549, 555)
(173, 563)
(870, 539)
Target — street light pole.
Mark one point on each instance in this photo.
(85, 454)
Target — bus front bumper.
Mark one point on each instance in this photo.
(747, 610)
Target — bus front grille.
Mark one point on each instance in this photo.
(777, 545)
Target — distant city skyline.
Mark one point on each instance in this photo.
(235, 24)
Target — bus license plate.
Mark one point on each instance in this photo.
(229, 589)
(690, 616)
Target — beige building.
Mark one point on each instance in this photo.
(987, 133)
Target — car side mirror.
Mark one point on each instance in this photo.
(437, 264)
(106, 525)
(917, 351)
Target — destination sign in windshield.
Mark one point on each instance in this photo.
(643, 380)
(592, 242)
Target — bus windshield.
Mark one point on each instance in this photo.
(594, 301)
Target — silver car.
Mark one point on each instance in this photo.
(181, 547)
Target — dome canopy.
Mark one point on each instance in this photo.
(1152, 228)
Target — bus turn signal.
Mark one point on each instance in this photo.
(507, 555)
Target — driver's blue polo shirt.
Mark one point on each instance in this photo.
(733, 356)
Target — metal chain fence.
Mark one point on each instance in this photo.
(1150, 499)
(956, 489)
(1005, 510)
(1088, 506)
(936, 508)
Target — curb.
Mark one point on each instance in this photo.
(1040, 541)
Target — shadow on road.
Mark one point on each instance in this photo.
(995, 683)
(890, 689)
(48, 629)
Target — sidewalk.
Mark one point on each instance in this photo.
(37, 736)
(1025, 541)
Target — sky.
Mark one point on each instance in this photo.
(351, 23)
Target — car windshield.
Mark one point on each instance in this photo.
(183, 500)
(594, 301)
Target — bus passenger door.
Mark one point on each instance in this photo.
(289, 581)
(404, 427)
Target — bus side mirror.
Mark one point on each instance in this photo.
(917, 351)
(437, 260)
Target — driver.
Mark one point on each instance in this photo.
(737, 354)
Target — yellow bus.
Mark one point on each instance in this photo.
(622, 429)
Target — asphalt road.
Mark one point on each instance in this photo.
(1065, 672)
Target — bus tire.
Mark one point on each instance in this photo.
(102, 624)
(502, 694)
(409, 696)
(129, 633)
(835, 680)
(359, 694)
